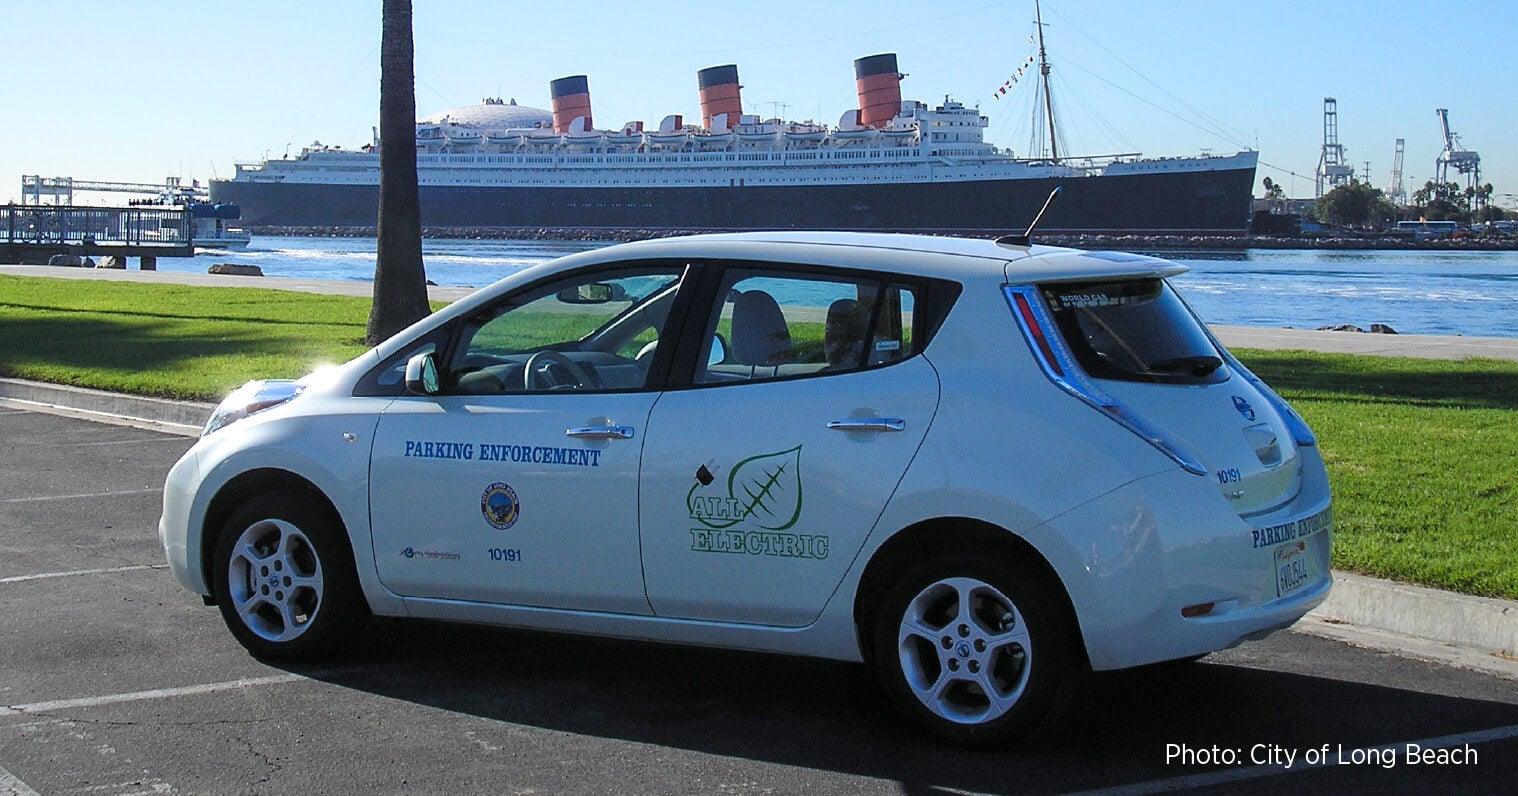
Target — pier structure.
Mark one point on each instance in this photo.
(35, 233)
(61, 189)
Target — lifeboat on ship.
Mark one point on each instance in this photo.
(674, 138)
(751, 129)
(720, 139)
(672, 132)
(546, 136)
(856, 134)
(809, 134)
(504, 137)
(430, 136)
(463, 138)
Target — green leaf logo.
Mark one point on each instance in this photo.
(764, 490)
(769, 486)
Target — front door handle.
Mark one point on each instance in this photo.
(869, 424)
(600, 432)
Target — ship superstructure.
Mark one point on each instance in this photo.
(888, 164)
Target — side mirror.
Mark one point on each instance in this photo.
(421, 374)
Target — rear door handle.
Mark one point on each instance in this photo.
(600, 432)
(869, 424)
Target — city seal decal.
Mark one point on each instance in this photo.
(749, 510)
(500, 506)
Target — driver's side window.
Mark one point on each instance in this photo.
(591, 332)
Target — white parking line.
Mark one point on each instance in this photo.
(11, 786)
(107, 571)
(156, 693)
(1340, 757)
(117, 493)
(175, 440)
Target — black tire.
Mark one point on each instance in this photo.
(998, 676)
(284, 578)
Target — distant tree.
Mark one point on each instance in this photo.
(1274, 194)
(1355, 205)
(400, 282)
(1481, 198)
(1441, 201)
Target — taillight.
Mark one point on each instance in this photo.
(1035, 330)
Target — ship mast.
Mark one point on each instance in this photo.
(1043, 72)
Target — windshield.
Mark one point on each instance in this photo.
(1134, 330)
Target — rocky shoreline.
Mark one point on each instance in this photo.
(1081, 241)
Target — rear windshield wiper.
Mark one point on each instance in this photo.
(1196, 366)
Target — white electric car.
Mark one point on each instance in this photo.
(979, 466)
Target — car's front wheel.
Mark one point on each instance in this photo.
(977, 651)
(284, 578)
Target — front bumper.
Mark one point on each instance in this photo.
(174, 524)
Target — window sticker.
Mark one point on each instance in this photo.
(1073, 301)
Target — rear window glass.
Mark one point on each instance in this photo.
(1134, 330)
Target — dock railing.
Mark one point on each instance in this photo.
(32, 232)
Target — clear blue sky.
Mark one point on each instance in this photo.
(137, 91)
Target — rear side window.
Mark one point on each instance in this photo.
(783, 324)
(1134, 330)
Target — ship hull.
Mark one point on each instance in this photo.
(1202, 201)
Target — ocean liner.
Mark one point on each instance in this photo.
(888, 164)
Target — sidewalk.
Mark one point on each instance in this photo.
(1469, 632)
(1417, 346)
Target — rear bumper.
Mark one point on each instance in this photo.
(1182, 575)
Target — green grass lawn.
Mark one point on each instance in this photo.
(172, 341)
(1423, 457)
(1423, 454)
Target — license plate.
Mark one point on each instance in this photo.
(1296, 566)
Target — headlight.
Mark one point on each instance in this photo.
(253, 397)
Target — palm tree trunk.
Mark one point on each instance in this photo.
(400, 283)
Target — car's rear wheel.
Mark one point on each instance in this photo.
(284, 578)
(978, 652)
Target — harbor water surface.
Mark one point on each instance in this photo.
(1470, 293)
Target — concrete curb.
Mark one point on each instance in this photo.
(178, 417)
(1413, 621)
(1475, 632)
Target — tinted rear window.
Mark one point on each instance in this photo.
(1134, 330)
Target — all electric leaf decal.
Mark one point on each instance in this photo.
(765, 490)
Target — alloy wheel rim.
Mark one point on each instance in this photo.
(274, 579)
(965, 651)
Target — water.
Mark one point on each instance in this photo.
(1471, 293)
(1414, 292)
(449, 261)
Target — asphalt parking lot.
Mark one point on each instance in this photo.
(115, 681)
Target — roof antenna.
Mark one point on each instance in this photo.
(1026, 239)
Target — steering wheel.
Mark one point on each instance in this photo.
(530, 371)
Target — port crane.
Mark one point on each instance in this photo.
(1395, 192)
(1333, 167)
(1464, 161)
(62, 189)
